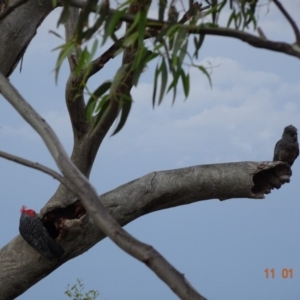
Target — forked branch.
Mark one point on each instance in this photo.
(85, 191)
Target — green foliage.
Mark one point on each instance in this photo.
(123, 100)
(164, 41)
(85, 58)
(65, 50)
(124, 112)
(97, 100)
(243, 13)
(76, 292)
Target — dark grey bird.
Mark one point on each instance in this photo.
(287, 149)
(36, 235)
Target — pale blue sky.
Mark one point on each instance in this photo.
(223, 248)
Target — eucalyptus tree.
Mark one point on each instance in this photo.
(171, 42)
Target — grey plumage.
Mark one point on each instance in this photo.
(287, 148)
(36, 235)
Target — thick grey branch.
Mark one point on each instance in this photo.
(17, 30)
(152, 192)
(85, 191)
(8, 9)
(165, 189)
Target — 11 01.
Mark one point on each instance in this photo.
(285, 273)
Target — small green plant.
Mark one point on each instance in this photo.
(76, 292)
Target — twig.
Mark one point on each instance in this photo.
(100, 62)
(290, 20)
(193, 10)
(86, 192)
(252, 40)
(10, 8)
(37, 166)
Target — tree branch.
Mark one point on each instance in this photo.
(8, 9)
(17, 30)
(98, 131)
(36, 166)
(85, 191)
(76, 106)
(149, 193)
(70, 26)
(74, 88)
(194, 8)
(252, 40)
(100, 62)
(290, 20)
(10, 254)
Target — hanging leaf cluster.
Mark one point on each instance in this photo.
(243, 13)
(164, 40)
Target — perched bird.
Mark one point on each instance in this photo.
(287, 149)
(36, 235)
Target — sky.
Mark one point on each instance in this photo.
(223, 248)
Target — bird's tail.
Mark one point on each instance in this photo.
(55, 248)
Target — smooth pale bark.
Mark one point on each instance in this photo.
(154, 191)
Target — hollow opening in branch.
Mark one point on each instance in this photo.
(54, 220)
